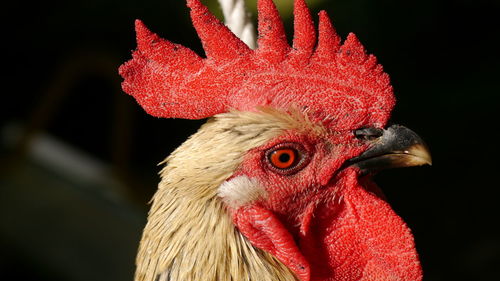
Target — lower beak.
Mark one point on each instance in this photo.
(398, 146)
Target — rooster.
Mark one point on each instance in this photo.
(277, 184)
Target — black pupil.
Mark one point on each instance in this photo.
(285, 157)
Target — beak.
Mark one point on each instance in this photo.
(397, 147)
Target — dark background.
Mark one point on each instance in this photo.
(60, 80)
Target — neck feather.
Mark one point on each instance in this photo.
(189, 235)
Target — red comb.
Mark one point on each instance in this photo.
(330, 79)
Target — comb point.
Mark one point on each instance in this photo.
(328, 39)
(304, 32)
(272, 42)
(143, 35)
(218, 41)
(352, 50)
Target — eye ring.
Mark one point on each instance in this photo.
(286, 158)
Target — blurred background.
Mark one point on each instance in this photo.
(78, 157)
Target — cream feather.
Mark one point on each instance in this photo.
(189, 235)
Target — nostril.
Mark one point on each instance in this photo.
(368, 133)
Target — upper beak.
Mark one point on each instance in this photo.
(398, 146)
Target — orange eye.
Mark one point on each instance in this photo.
(283, 158)
(286, 158)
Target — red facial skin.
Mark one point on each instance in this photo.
(324, 222)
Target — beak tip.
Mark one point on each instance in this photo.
(421, 155)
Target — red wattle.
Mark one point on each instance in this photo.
(360, 238)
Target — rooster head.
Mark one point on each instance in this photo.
(314, 133)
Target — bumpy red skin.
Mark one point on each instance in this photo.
(324, 222)
(330, 79)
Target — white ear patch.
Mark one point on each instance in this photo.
(240, 191)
